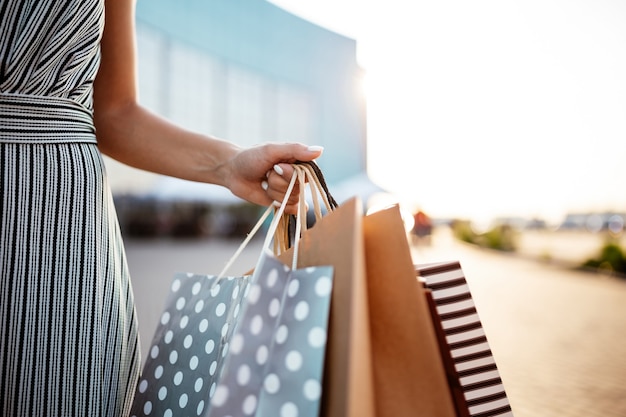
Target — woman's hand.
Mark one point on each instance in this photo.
(261, 174)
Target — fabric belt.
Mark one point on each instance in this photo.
(39, 119)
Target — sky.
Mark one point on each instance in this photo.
(490, 108)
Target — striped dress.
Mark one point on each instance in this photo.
(68, 334)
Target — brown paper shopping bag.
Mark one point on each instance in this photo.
(337, 240)
(409, 375)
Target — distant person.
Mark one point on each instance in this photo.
(422, 227)
(68, 331)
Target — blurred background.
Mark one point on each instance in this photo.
(499, 127)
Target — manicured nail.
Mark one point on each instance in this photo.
(264, 185)
(315, 148)
(276, 203)
(278, 169)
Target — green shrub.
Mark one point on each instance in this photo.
(501, 237)
(462, 230)
(610, 259)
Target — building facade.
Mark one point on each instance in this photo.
(250, 72)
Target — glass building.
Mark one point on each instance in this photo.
(250, 72)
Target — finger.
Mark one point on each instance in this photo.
(283, 170)
(276, 190)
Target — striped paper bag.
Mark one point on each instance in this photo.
(473, 375)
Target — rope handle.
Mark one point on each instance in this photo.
(316, 174)
(278, 230)
(277, 218)
(319, 189)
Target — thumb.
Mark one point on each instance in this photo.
(309, 153)
(286, 154)
(292, 152)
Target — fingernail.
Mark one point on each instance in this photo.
(278, 169)
(315, 148)
(264, 185)
(276, 203)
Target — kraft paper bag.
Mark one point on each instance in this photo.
(337, 240)
(408, 371)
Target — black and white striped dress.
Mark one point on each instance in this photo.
(68, 334)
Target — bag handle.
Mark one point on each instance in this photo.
(277, 217)
(318, 176)
(306, 175)
(309, 173)
(303, 171)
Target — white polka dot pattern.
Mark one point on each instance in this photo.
(275, 363)
(186, 356)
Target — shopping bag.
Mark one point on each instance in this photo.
(186, 356)
(408, 371)
(240, 341)
(429, 350)
(274, 363)
(337, 240)
(472, 372)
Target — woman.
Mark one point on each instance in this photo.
(68, 335)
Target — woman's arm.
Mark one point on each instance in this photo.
(132, 135)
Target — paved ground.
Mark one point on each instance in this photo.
(559, 337)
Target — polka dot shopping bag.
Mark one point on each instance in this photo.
(240, 346)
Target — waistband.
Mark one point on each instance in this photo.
(40, 119)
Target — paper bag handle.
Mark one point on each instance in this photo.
(303, 170)
(272, 230)
(310, 173)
